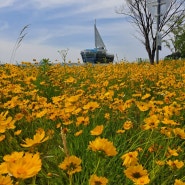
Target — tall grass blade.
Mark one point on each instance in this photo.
(18, 42)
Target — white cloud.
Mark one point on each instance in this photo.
(103, 5)
(6, 3)
(92, 8)
(40, 4)
(70, 28)
(90, 5)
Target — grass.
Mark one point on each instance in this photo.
(53, 111)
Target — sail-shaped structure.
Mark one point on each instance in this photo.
(98, 40)
(99, 53)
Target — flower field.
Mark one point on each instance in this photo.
(98, 124)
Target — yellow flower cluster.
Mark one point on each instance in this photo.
(125, 110)
(134, 170)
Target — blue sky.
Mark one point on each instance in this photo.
(56, 25)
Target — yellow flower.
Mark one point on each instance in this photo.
(95, 180)
(70, 80)
(127, 125)
(2, 137)
(82, 120)
(169, 122)
(38, 138)
(13, 157)
(179, 182)
(102, 144)
(12, 103)
(120, 131)
(24, 167)
(130, 158)
(5, 180)
(71, 164)
(122, 108)
(145, 96)
(57, 99)
(16, 133)
(179, 132)
(105, 83)
(160, 163)
(166, 131)
(151, 122)
(142, 106)
(172, 152)
(107, 116)
(6, 123)
(137, 95)
(175, 164)
(97, 130)
(78, 133)
(41, 113)
(67, 122)
(77, 111)
(73, 99)
(91, 106)
(69, 109)
(108, 95)
(3, 168)
(139, 149)
(19, 116)
(137, 174)
(58, 125)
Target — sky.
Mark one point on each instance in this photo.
(58, 25)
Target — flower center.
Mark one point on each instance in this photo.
(71, 167)
(97, 183)
(136, 175)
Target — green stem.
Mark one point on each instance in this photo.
(97, 165)
(70, 180)
(20, 182)
(33, 180)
